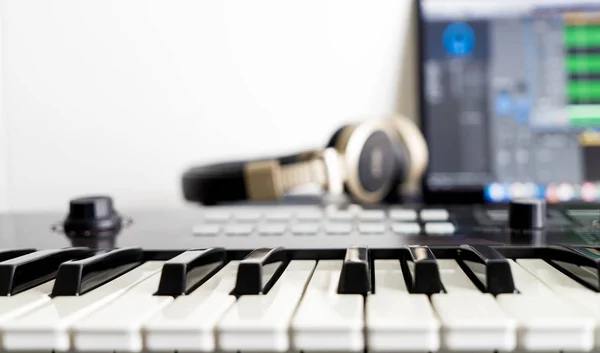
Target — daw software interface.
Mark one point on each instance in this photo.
(511, 97)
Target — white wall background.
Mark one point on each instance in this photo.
(119, 97)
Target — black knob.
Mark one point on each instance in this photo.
(524, 214)
(92, 217)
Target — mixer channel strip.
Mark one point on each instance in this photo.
(410, 299)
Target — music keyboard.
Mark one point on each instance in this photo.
(407, 299)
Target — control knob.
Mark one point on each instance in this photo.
(527, 214)
(92, 221)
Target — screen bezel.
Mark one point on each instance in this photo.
(472, 195)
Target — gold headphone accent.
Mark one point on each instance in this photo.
(268, 180)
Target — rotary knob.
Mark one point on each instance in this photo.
(92, 216)
(527, 214)
(92, 221)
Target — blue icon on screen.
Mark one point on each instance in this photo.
(503, 104)
(495, 192)
(459, 39)
(522, 111)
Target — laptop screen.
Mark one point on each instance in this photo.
(510, 98)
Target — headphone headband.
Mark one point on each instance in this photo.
(265, 179)
(367, 160)
(270, 179)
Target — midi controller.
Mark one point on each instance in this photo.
(299, 276)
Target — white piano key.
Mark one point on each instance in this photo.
(117, 326)
(558, 282)
(577, 301)
(471, 320)
(261, 322)
(47, 327)
(396, 320)
(325, 320)
(25, 301)
(188, 324)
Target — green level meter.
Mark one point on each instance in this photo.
(583, 90)
(584, 114)
(584, 63)
(582, 37)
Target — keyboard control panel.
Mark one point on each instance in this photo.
(298, 277)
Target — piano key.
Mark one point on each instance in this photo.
(326, 320)
(547, 322)
(186, 271)
(261, 323)
(570, 290)
(47, 326)
(557, 281)
(489, 269)
(193, 318)
(7, 254)
(423, 272)
(579, 263)
(396, 320)
(259, 271)
(27, 271)
(117, 325)
(471, 320)
(355, 277)
(24, 301)
(80, 276)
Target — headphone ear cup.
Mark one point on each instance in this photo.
(412, 155)
(369, 161)
(333, 143)
(402, 165)
(333, 140)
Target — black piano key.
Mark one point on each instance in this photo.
(27, 271)
(578, 262)
(259, 271)
(487, 268)
(7, 254)
(355, 277)
(78, 277)
(185, 272)
(423, 275)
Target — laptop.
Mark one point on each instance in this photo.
(510, 100)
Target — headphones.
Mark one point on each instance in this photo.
(369, 161)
